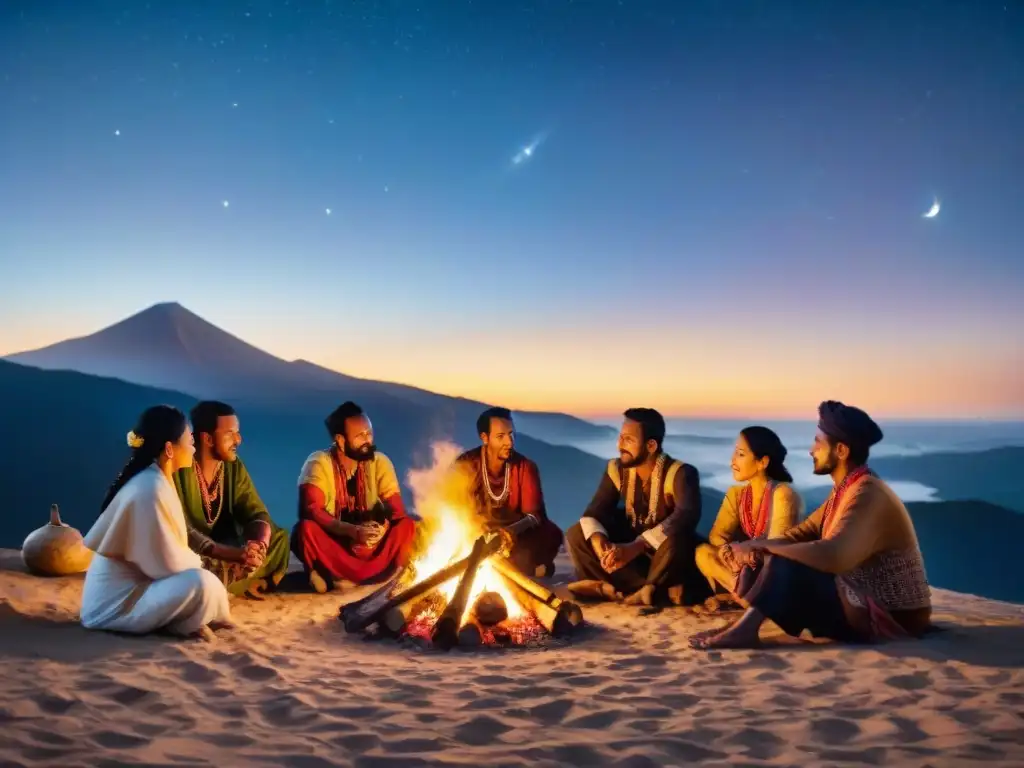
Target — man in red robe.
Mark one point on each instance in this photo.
(505, 487)
(352, 522)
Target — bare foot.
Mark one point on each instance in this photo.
(256, 589)
(731, 637)
(708, 632)
(318, 582)
(594, 589)
(223, 624)
(675, 594)
(206, 635)
(643, 596)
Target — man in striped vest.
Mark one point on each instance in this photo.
(638, 536)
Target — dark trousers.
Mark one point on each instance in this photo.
(797, 597)
(536, 547)
(672, 564)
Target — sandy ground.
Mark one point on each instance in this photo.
(289, 688)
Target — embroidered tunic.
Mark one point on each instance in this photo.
(329, 492)
(504, 501)
(867, 540)
(236, 516)
(672, 507)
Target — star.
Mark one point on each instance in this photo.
(117, 132)
(528, 151)
(225, 203)
(234, 105)
(328, 211)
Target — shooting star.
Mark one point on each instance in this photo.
(528, 151)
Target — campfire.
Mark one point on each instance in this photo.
(460, 589)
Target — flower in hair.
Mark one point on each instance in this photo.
(134, 441)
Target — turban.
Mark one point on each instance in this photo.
(846, 424)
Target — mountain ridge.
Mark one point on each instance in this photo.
(168, 346)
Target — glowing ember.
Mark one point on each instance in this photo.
(451, 540)
(437, 597)
(443, 501)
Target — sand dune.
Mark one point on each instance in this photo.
(290, 688)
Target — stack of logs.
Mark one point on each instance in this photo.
(559, 617)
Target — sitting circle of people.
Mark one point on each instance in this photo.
(183, 529)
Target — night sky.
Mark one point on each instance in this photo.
(709, 207)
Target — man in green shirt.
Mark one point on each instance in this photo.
(228, 523)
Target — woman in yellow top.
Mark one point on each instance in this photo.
(763, 506)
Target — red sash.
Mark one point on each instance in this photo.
(755, 529)
(833, 503)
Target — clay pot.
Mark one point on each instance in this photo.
(56, 549)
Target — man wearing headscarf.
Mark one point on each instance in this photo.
(853, 570)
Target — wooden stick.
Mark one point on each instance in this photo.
(559, 621)
(361, 614)
(471, 635)
(354, 614)
(446, 630)
(540, 593)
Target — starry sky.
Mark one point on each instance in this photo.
(712, 207)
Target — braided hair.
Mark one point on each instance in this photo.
(764, 442)
(156, 427)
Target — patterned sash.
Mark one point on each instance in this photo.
(756, 528)
(837, 496)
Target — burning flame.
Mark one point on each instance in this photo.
(442, 499)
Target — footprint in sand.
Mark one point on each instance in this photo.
(481, 730)
(53, 705)
(50, 738)
(552, 712)
(912, 682)
(115, 740)
(364, 712)
(127, 695)
(414, 745)
(192, 672)
(596, 720)
(357, 742)
(288, 711)
(486, 702)
(258, 673)
(834, 731)
(760, 744)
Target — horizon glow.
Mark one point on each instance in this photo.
(336, 184)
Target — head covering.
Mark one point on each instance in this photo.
(846, 424)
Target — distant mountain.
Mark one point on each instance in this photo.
(167, 346)
(992, 475)
(971, 546)
(64, 442)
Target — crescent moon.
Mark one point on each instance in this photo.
(934, 210)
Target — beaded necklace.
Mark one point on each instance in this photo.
(655, 496)
(208, 496)
(496, 499)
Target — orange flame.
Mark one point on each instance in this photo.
(442, 498)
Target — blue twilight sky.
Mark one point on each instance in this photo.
(721, 211)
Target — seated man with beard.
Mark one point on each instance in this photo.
(639, 534)
(505, 488)
(853, 570)
(352, 522)
(228, 523)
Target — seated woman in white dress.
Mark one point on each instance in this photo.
(144, 577)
